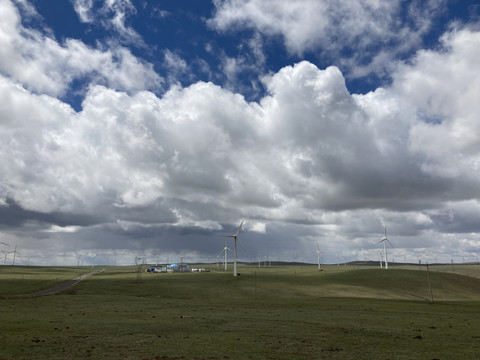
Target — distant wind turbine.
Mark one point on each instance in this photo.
(4, 252)
(380, 252)
(225, 249)
(319, 253)
(5, 259)
(14, 252)
(235, 237)
(93, 258)
(385, 240)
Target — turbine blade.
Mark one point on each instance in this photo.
(240, 243)
(238, 230)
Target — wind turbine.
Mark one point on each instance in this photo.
(6, 254)
(235, 237)
(225, 249)
(385, 240)
(380, 252)
(318, 255)
(14, 252)
(93, 258)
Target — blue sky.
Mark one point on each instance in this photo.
(140, 128)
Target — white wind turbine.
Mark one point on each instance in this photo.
(380, 252)
(93, 258)
(385, 240)
(225, 249)
(235, 237)
(319, 253)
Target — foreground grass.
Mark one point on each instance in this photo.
(284, 313)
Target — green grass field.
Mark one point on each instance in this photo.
(285, 312)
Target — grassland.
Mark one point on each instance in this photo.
(291, 312)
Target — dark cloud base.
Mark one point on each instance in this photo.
(13, 215)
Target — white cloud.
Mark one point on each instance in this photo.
(27, 8)
(299, 22)
(175, 65)
(332, 26)
(308, 145)
(43, 65)
(248, 63)
(443, 87)
(112, 14)
(83, 9)
(63, 229)
(257, 227)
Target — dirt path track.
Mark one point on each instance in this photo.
(60, 287)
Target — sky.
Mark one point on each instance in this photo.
(153, 128)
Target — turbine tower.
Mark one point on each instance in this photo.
(235, 237)
(385, 240)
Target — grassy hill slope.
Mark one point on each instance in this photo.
(270, 313)
(269, 283)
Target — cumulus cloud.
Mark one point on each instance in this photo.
(309, 161)
(309, 144)
(443, 87)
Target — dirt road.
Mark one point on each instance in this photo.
(60, 287)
